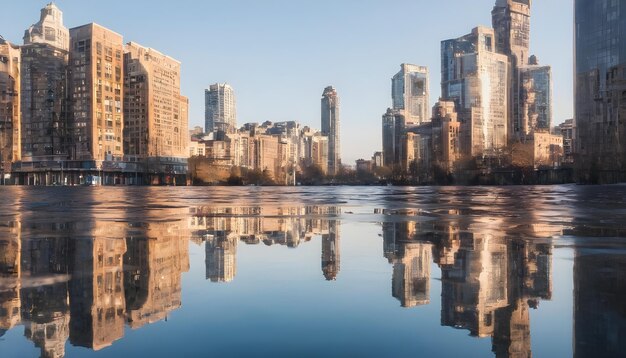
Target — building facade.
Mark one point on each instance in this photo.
(446, 136)
(9, 107)
(535, 99)
(45, 114)
(220, 108)
(96, 93)
(567, 132)
(600, 103)
(331, 128)
(511, 23)
(314, 149)
(394, 125)
(410, 93)
(155, 112)
(475, 77)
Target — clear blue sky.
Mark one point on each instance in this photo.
(280, 54)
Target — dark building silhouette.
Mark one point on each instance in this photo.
(599, 304)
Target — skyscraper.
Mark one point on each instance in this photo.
(475, 77)
(44, 91)
(95, 82)
(9, 106)
(409, 92)
(511, 23)
(155, 113)
(220, 109)
(394, 125)
(600, 104)
(331, 127)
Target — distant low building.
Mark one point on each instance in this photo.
(548, 150)
(196, 148)
(363, 165)
(196, 132)
(377, 159)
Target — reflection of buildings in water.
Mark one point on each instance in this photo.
(154, 262)
(331, 251)
(97, 289)
(65, 279)
(537, 275)
(223, 227)
(45, 305)
(475, 285)
(221, 257)
(50, 336)
(489, 281)
(411, 274)
(599, 303)
(10, 276)
(511, 336)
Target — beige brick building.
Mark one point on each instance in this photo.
(9, 106)
(96, 75)
(155, 113)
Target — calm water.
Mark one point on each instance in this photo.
(297, 272)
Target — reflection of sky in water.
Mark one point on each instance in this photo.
(501, 263)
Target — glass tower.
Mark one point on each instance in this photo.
(600, 84)
(475, 77)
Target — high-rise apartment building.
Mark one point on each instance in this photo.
(44, 99)
(96, 289)
(475, 77)
(96, 93)
(600, 103)
(9, 106)
(331, 128)
(155, 113)
(220, 109)
(409, 92)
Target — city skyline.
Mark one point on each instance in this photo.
(353, 45)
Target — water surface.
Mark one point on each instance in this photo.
(325, 271)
